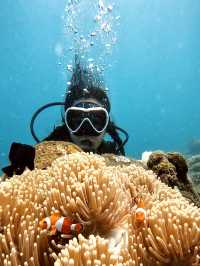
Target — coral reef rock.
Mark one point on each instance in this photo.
(172, 169)
(83, 186)
(194, 146)
(47, 151)
(194, 170)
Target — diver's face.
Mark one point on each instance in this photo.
(87, 143)
(86, 137)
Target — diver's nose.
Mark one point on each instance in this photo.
(86, 130)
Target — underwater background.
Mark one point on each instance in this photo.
(153, 78)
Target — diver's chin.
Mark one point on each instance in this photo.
(87, 144)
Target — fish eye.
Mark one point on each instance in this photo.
(43, 224)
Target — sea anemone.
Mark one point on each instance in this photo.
(104, 197)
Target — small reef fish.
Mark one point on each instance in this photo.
(49, 223)
(140, 212)
(64, 225)
(67, 226)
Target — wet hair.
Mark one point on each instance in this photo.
(86, 84)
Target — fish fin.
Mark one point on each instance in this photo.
(67, 236)
(57, 213)
(53, 230)
(54, 218)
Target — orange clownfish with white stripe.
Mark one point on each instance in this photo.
(140, 212)
(64, 225)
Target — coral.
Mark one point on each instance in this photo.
(41, 156)
(168, 236)
(181, 165)
(163, 168)
(47, 151)
(194, 146)
(194, 166)
(194, 170)
(172, 169)
(113, 160)
(86, 188)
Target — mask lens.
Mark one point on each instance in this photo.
(98, 119)
(74, 118)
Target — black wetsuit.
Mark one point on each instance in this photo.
(61, 133)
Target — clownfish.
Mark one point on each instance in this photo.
(67, 226)
(49, 223)
(140, 212)
(57, 223)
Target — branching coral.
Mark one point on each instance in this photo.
(83, 187)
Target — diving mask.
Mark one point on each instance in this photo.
(83, 112)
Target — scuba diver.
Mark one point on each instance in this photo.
(85, 122)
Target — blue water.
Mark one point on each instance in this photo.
(154, 82)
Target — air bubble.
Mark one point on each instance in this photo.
(97, 18)
(110, 8)
(91, 66)
(58, 49)
(93, 34)
(108, 46)
(114, 40)
(101, 5)
(69, 68)
(101, 33)
(106, 27)
(85, 90)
